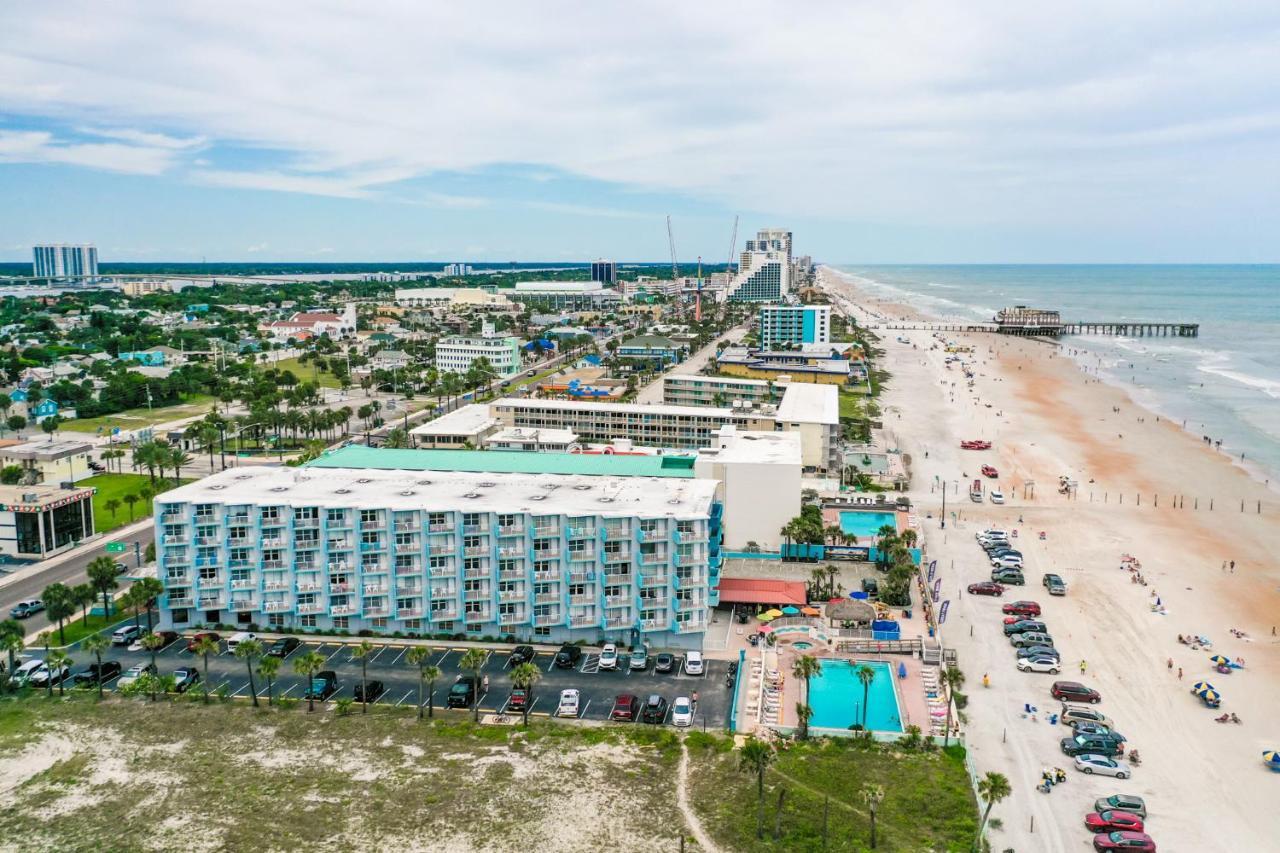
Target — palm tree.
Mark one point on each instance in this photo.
(307, 666)
(84, 595)
(865, 675)
(831, 579)
(267, 668)
(361, 653)
(832, 532)
(153, 643)
(803, 714)
(113, 506)
(131, 499)
(102, 574)
(56, 660)
(12, 640)
(59, 605)
(756, 757)
(953, 678)
(249, 651)
(205, 647)
(147, 590)
(96, 644)
(178, 459)
(806, 667)
(873, 795)
(992, 788)
(419, 656)
(473, 662)
(44, 638)
(526, 675)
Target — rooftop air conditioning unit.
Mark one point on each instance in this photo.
(30, 498)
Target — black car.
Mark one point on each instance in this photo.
(654, 710)
(664, 662)
(1023, 625)
(323, 685)
(871, 587)
(185, 678)
(521, 654)
(568, 656)
(1083, 744)
(93, 674)
(283, 646)
(369, 691)
(1039, 651)
(463, 692)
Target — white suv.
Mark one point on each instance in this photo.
(693, 663)
(236, 639)
(609, 656)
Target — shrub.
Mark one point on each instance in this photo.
(343, 705)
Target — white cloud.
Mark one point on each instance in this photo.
(256, 247)
(42, 147)
(142, 137)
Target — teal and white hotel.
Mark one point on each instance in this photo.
(546, 547)
(794, 324)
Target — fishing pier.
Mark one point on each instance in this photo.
(1037, 322)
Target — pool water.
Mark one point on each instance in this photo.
(866, 524)
(836, 697)
(802, 645)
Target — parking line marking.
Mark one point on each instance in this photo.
(551, 664)
(291, 651)
(403, 698)
(292, 687)
(402, 654)
(245, 686)
(583, 713)
(335, 651)
(379, 654)
(444, 654)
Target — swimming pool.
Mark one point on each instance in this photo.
(836, 697)
(866, 524)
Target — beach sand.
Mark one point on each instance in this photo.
(1204, 782)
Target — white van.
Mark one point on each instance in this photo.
(992, 533)
(997, 496)
(236, 639)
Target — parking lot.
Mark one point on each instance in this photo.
(387, 664)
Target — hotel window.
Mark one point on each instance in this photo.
(208, 573)
(270, 514)
(404, 539)
(577, 589)
(406, 561)
(307, 513)
(542, 631)
(369, 537)
(336, 516)
(341, 623)
(474, 563)
(439, 562)
(308, 621)
(441, 606)
(368, 516)
(438, 518)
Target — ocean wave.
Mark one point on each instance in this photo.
(1270, 387)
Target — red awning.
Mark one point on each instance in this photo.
(758, 591)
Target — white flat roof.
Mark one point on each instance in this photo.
(453, 491)
(560, 287)
(782, 448)
(805, 402)
(45, 449)
(549, 436)
(719, 380)
(708, 412)
(469, 420)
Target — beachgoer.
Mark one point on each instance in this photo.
(1179, 673)
(1170, 663)
(986, 681)
(1083, 667)
(1233, 567)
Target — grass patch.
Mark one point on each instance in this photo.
(116, 486)
(80, 628)
(305, 372)
(194, 406)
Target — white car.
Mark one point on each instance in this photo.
(25, 672)
(1006, 562)
(609, 656)
(997, 496)
(682, 712)
(693, 663)
(992, 533)
(1102, 765)
(1039, 663)
(133, 673)
(236, 639)
(568, 706)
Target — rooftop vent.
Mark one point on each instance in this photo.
(364, 480)
(473, 495)
(342, 491)
(538, 498)
(408, 493)
(279, 489)
(217, 487)
(582, 487)
(606, 500)
(424, 482)
(675, 501)
(244, 476)
(488, 485)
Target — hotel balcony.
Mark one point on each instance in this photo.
(652, 535)
(175, 538)
(654, 580)
(511, 530)
(511, 552)
(619, 622)
(581, 532)
(551, 554)
(615, 533)
(276, 606)
(444, 615)
(654, 624)
(210, 603)
(402, 571)
(547, 598)
(215, 540)
(582, 577)
(552, 530)
(308, 586)
(511, 574)
(339, 587)
(617, 601)
(275, 542)
(584, 622)
(477, 573)
(344, 610)
(619, 579)
(691, 625)
(511, 618)
(234, 518)
(654, 559)
(409, 613)
(273, 564)
(376, 610)
(312, 607)
(372, 525)
(406, 527)
(475, 528)
(244, 604)
(477, 550)
(209, 583)
(580, 556)
(244, 583)
(181, 601)
(580, 600)
(375, 588)
(442, 572)
(442, 528)
(511, 595)
(544, 577)
(339, 566)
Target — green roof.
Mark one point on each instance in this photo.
(506, 462)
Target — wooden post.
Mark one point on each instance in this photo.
(777, 820)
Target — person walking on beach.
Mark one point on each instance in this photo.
(1083, 667)
(1224, 567)
(1179, 673)
(1233, 567)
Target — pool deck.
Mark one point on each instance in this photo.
(831, 516)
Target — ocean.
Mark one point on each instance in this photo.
(1224, 384)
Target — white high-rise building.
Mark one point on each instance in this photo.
(61, 260)
(764, 269)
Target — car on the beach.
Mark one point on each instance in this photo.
(1113, 821)
(986, 588)
(975, 444)
(1097, 730)
(990, 471)
(1101, 765)
(1043, 651)
(1007, 561)
(568, 705)
(608, 656)
(1055, 584)
(991, 531)
(1074, 691)
(133, 673)
(1031, 638)
(626, 708)
(1039, 663)
(1122, 803)
(1009, 577)
(1132, 842)
(994, 537)
(1074, 715)
(996, 496)
(1091, 745)
(682, 712)
(1024, 625)
(1021, 608)
(25, 609)
(282, 647)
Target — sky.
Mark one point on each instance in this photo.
(908, 132)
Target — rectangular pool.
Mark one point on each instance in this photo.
(866, 525)
(836, 697)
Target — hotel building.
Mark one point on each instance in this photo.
(794, 324)
(457, 354)
(60, 260)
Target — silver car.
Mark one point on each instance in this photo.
(1102, 765)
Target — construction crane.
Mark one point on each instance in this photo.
(671, 239)
(733, 244)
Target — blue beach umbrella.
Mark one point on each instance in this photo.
(1220, 660)
(1272, 758)
(1200, 687)
(791, 611)
(1211, 697)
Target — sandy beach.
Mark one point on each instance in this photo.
(1145, 488)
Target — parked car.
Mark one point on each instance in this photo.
(1091, 745)
(369, 691)
(639, 661)
(93, 674)
(986, 588)
(626, 707)
(25, 609)
(51, 675)
(1024, 625)
(463, 691)
(871, 587)
(121, 567)
(664, 662)
(1043, 651)
(1097, 729)
(1102, 765)
(990, 471)
(654, 710)
(282, 647)
(1113, 821)
(1074, 715)
(693, 663)
(568, 656)
(22, 676)
(1074, 691)
(609, 656)
(166, 637)
(1122, 803)
(135, 672)
(568, 705)
(517, 699)
(523, 654)
(1136, 842)
(323, 685)
(126, 636)
(1009, 577)
(991, 532)
(1039, 663)
(196, 638)
(1007, 561)
(1003, 551)
(682, 712)
(1021, 608)
(184, 678)
(1055, 584)
(1031, 638)
(239, 637)
(996, 496)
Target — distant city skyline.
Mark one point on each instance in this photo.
(913, 133)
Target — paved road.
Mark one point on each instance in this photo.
(387, 664)
(652, 393)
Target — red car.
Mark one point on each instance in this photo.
(1139, 842)
(975, 444)
(518, 699)
(626, 708)
(195, 640)
(1074, 691)
(988, 471)
(1113, 821)
(986, 588)
(1021, 608)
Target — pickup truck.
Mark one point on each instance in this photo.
(323, 685)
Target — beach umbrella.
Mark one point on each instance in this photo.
(810, 611)
(1200, 687)
(765, 617)
(773, 613)
(790, 610)
(764, 629)
(1211, 696)
(1272, 757)
(1220, 660)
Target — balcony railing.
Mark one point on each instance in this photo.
(442, 572)
(409, 613)
(653, 559)
(274, 542)
(175, 538)
(511, 552)
(582, 599)
(181, 601)
(209, 583)
(312, 607)
(511, 595)
(588, 555)
(652, 535)
(546, 598)
(581, 532)
(511, 574)
(276, 606)
(210, 603)
(654, 624)
(273, 564)
(475, 528)
(547, 554)
(244, 583)
(275, 586)
(581, 577)
(584, 622)
(476, 573)
(408, 570)
(551, 530)
(376, 611)
(621, 622)
(339, 587)
(406, 527)
(691, 625)
(243, 605)
(510, 618)
(444, 615)
(375, 588)
(477, 550)
(343, 609)
(511, 530)
(442, 528)
(617, 600)
(650, 581)
(613, 533)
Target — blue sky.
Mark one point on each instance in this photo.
(912, 132)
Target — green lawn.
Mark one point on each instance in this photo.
(78, 628)
(129, 419)
(305, 372)
(117, 486)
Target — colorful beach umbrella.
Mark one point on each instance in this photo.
(1272, 757)
(790, 610)
(1210, 696)
(773, 613)
(765, 617)
(764, 629)
(810, 611)
(1200, 687)
(1220, 660)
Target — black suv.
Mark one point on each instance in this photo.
(463, 692)
(369, 691)
(568, 656)
(654, 710)
(92, 674)
(281, 647)
(521, 654)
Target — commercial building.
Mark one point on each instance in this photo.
(794, 366)
(653, 351)
(760, 475)
(576, 295)
(605, 272)
(466, 426)
(794, 324)
(43, 520)
(456, 354)
(532, 440)
(764, 269)
(452, 297)
(306, 324)
(458, 269)
(813, 411)
(63, 260)
(548, 547)
(60, 461)
(686, 427)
